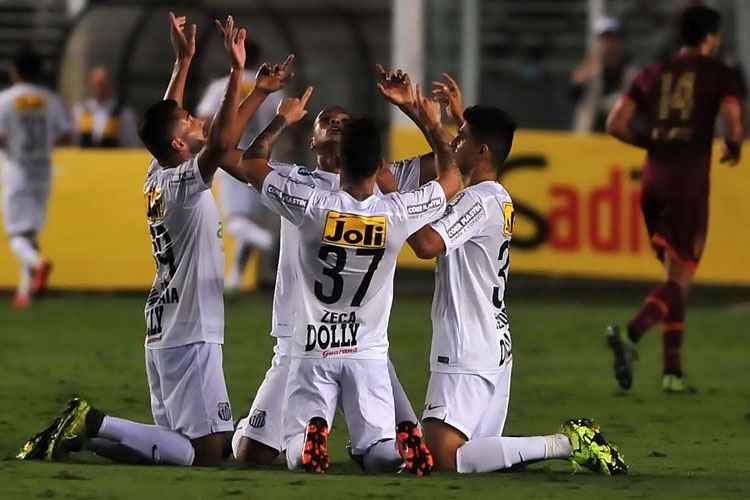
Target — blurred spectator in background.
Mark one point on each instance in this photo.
(246, 219)
(601, 78)
(32, 121)
(103, 120)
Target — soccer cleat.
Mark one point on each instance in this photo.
(315, 451)
(36, 446)
(40, 277)
(71, 430)
(625, 354)
(414, 451)
(591, 450)
(672, 384)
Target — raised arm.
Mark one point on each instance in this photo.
(222, 136)
(254, 166)
(183, 43)
(620, 123)
(449, 94)
(731, 117)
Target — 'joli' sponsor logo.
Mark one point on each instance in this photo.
(352, 230)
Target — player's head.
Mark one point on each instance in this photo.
(26, 66)
(327, 129)
(486, 136)
(170, 133)
(699, 27)
(100, 83)
(361, 149)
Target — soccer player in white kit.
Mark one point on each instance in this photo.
(32, 121)
(348, 244)
(241, 207)
(258, 438)
(184, 311)
(471, 356)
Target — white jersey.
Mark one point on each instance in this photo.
(345, 260)
(285, 301)
(185, 304)
(32, 119)
(106, 121)
(470, 328)
(215, 91)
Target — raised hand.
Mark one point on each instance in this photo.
(272, 78)
(183, 41)
(428, 110)
(396, 87)
(293, 108)
(449, 94)
(234, 41)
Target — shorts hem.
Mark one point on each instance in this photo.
(447, 420)
(264, 440)
(660, 242)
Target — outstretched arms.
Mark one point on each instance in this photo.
(254, 166)
(222, 137)
(183, 43)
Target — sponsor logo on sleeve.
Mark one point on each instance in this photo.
(466, 219)
(154, 205)
(286, 198)
(424, 207)
(351, 230)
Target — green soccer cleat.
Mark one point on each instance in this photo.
(70, 434)
(591, 450)
(625, 354)
(36, 446)
(672, 384)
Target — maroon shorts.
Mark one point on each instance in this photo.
(674, 200)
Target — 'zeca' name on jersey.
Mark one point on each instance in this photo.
(336, 331)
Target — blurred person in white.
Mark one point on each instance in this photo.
(33, 120)
(601, 77)
(103, 120)
(246, 218)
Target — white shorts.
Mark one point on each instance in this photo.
(25, 208)
(188, 393)
(264, 422)
(239, 199)
(476, 404)
(361, 386)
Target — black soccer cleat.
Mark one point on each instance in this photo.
(315, 451)
(625, 354)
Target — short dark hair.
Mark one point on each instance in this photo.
(696, 23)
(155, 129)
(361, 148)
(28, 63)
(494, 127)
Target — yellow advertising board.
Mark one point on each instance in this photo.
(576, 203)
(578, 214)
(96, 233)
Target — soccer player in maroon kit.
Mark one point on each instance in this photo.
(670, 110)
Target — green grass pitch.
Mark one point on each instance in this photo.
(677, 446)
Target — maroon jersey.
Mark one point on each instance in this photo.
(680, 100)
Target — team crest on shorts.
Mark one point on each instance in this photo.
(258, 419)
(225, 412)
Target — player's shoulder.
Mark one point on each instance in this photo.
(489, 191)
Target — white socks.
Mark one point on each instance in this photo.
(383, 457)
(294, 451)
(246, 231)
(153, 444)
(496, 453)
(25, 251)
(401, 403)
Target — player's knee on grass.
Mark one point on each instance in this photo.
(251, 452)
(443, 441)
(209, 450)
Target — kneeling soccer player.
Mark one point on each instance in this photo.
(184, 311)
(471, 356)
